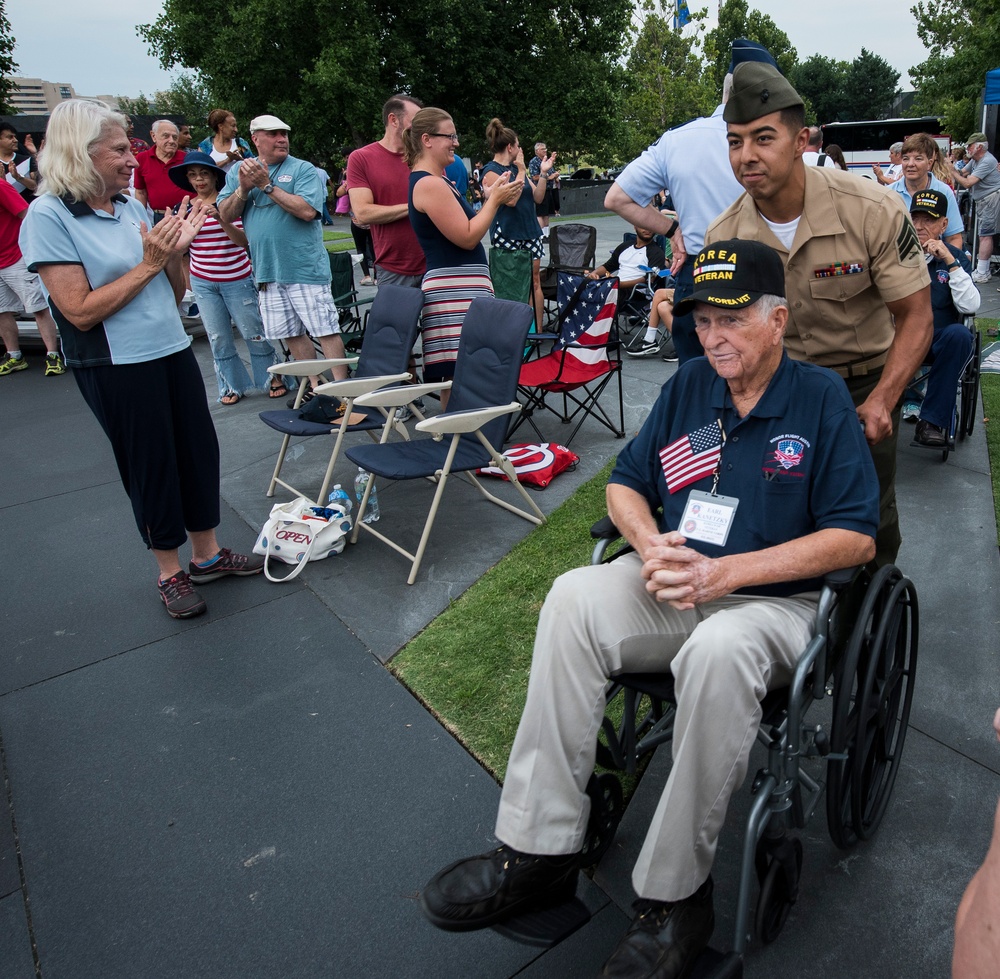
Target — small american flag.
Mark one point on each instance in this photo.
(691, 457)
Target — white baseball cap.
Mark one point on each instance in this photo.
(268, 124)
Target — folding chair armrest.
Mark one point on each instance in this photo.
(308, 368)
(341, 302)
(355, 386)
(396, 397)
(458, 422)
(605, 529)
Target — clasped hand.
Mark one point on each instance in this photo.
(679, 575)
(253, 173)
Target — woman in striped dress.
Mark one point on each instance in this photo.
(221, 280)
(450, 233)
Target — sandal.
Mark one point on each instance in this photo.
(277, 390)
(230, 399)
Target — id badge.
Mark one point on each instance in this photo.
(708, 518)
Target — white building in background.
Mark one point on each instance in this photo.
(35, 96)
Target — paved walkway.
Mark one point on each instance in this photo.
(251, 794)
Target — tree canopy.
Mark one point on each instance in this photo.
(552, 71)
(961, 48)
(8, 66)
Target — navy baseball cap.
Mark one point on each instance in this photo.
(733, 274)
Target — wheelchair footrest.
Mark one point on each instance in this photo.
(546, 927)
(713, 964)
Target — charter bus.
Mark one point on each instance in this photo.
(866, 143)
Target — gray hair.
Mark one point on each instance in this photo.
(896, 148)
(66, 167)
(156, 125)
(768, 303)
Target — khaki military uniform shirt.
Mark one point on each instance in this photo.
(854, 250)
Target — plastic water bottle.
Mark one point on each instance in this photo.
(360, 485)
(339, 497)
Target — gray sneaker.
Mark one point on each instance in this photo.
(404, 414)
(669, 352)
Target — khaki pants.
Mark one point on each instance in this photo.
(599, 621)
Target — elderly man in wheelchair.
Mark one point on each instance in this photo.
(765, 482)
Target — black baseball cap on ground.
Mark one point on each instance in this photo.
(733, 274)
(931, 202)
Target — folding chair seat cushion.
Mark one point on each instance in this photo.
(563, 374)
(288, 422)
(422, 457)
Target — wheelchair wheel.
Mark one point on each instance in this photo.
(873, 692)
(778, 892)
(607, 806)
(970, 390)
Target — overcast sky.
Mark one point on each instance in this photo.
(94, 46)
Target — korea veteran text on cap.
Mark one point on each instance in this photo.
(733, 274)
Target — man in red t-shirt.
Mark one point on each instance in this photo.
(20, 289)
(378, 181)
(153, 186)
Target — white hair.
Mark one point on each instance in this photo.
(768, 303)
(65, 163)
(727, 87)
(156, 126)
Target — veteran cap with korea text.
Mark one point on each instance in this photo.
(931, 202)
(758, 89)
(733, 274)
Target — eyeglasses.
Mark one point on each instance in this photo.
(452, 136)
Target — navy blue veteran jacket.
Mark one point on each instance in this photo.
(797, 463)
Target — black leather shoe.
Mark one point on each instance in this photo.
(480, 891)
(665, 938)
(928, 434)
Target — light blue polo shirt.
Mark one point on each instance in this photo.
(284, 248)
(59, 231)
(955, 224)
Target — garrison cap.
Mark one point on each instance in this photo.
(758, 89)
(744, 50)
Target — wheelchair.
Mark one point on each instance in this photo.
(863, 655)
(963, 416)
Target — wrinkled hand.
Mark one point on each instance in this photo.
(679, 575)
(876, 419)
(253, 173)
(173, 234)
(937, 248)
(191, 223)
(235, 155)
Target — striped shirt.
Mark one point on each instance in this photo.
(215, 257)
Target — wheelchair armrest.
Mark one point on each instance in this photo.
(838, 580)
(354, 386)
(604, 529)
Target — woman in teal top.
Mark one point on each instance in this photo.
(516, 227)
(450, 233)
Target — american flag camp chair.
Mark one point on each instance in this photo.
(580, 365)
(467, 436)
(385, 352)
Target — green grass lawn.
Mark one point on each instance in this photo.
(990, 385)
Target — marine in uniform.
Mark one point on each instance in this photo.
(855, 276)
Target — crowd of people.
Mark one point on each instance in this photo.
(780, 401)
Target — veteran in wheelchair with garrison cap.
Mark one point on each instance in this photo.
(749, 481)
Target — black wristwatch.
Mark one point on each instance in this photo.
(954, 265)
(268, 188)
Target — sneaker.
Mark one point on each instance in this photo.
(648, 348)
(981, 277)
(670, 935)
(669, 351)
(911, 411)
(404, 413)
(11, 364)
(227, 563)
(54, 364)
(930, 435)
(178, 594)
(480, 891)
(368, 281)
